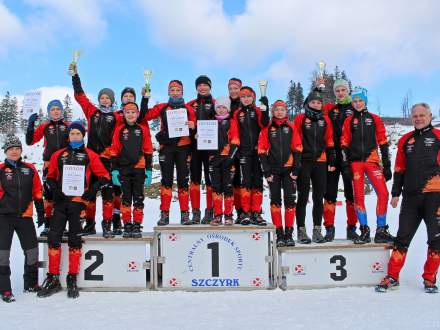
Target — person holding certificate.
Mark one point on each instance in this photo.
(20, 185)
(174, 152)
(246, 125)
(131, 153)
(204, 109)
(69, 180)
(102, 121)
(54, 133)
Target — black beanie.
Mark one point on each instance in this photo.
(77, 125)
(203, 80)
(314, 95)
(128, 90)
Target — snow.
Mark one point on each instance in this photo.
(338, 308)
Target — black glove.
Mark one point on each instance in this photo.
(331, 157)
(296, 163)
(76, 83)
(57, 194)
(39, 206)
(265, 101)
(387, 173)
(31, 128)
(90, 194)
(385, 156)
(231, 156)
(346, 172)
(215, 161)
(32, 119)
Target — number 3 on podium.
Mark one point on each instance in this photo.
(342, 271)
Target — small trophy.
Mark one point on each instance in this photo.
(76, 56)
(321, 70)
(263, 87)
(147, 76)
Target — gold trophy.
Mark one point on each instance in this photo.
(263, 87)
(321, 70)
(147, 76)
(76, 56)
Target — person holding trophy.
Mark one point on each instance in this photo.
(247, 123)
(54, 133)
(203, 107)
(174, 152)
(102, 121)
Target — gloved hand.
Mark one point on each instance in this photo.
(115, 178)
(346, 172)
(40, 220)
(265, 101)
(58, 195)
(32, 119)
(387, 173)
(148, 177)
(89, 195)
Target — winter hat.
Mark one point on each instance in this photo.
(361, 93)
(313, 96)
(341, 82)
(223, 101)
(235, 81)
(203, 80)
(245, 90)
(12, 141)
(54, 103)
(128, 90)
(77, 125)
(131, 106)
(279, 103)
(175, 83)
(108, 92)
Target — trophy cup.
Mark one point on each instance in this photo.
(321, 70)
(263, 87)
(76, 55)
(147, 76)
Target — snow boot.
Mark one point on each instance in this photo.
(246, 219)
(106, 229)
(317, 235)
(229, 221)
(365, 235)
(288, 236)
(383, 235)
(196, 217)
(136, 231)
(72, 288)
(239, 216)
(387, 283)
(257, 219)
(32, 288)
(128, 227)
(302, 236)
(216, 221)
(280, 237)
(430, 287)
(117, 225)
(51, 285)
(184, 218)
(45, 231)
(209, 216)
(89, 228)
(7, 296)
(351, 233)
(164, 218)
(329, 233)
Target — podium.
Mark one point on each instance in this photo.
(205, 258)
(335, 264)
(113, 264)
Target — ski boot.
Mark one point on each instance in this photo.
(106, 229)
(45, 231)
(128, 227)
(302, 236)
(216, 221)
(7, 296)
(351, 233)
(280, 237)
(72, 288)
(195, 219)
(365, 235)
(329, 233)
(430, 287)
(317, 235)
(51, 285)
(246, 219)
(31, 288)
(257, 219)
(136, 231)
(387, 283)
(209, 216)
(383, 235)
(117, 226)
(239, 216)
(229, 221)
(288, 236)
(164, 218)
(89, 228)
(184, 218)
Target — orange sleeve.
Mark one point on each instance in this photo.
(234, 131)
(329, 133)
(87, 106)
(37, 190)
(191, 114)
(96, 166)
(147, 146)
(296, 142)
(38, 133)
(400, 163)
(346, 132)
(115, 148)
(327, 107)
(437, 134)
(298, 126)
(263, 142)
(152, 113)
(53, 171)
(381, 133)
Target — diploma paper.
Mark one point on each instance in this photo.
(73, 180)
(177, 123)
(207, 135)
(31, 103)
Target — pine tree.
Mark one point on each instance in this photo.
(291, 100)
(299, 98)
(345, 77)
(8, 115)
(337, 73)
(67, 103)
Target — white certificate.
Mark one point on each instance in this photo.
(31, 103)
(177, 123)
(207, 135)
(73, 180)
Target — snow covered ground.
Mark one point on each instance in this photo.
(339, 308)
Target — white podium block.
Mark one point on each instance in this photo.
(115, 264)
(339, 263)
(215, 258)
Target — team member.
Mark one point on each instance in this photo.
(362, 133)
(417, 174)
(54, 133)
(19, 186)
(70, 208)
(279, 147)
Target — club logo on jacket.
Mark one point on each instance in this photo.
(286, 130)
(80, 156)
(241, 115)
(321, 122)
(109, 119)
(308, 123)
(25, 170)
(368, 121)
(137, 132)
(429, 142)
(62, 128)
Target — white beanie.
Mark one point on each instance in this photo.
(341, 82)
(223, 101)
